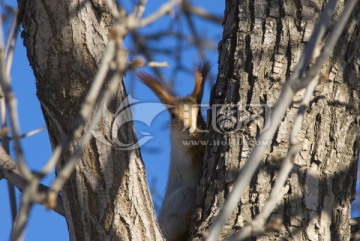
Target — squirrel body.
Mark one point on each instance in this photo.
(187, 153)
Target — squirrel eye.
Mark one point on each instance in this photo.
(173, 115)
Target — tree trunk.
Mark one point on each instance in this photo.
(107, 196)
(262, 42)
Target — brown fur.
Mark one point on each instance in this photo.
(201, 73)
(186, 120)
(155, 86)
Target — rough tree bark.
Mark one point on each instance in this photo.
(107, 197)
(262, 42)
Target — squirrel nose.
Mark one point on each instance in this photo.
(192, 129)
(193, 124)
(190, 119)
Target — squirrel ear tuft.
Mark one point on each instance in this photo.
(201, 74)
(155, 86)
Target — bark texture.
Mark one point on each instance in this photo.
(262, 42)
(107, 197)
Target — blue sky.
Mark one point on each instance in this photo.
(47, 225)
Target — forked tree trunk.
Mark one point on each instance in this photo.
(107, 197)
(262, 42)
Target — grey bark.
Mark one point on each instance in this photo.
(262, 42)
(107, 196)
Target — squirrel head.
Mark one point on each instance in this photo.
(184, 111)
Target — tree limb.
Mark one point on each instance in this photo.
(9, 170)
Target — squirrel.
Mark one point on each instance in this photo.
(186, 123)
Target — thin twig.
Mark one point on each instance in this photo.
(10, 172)
(23, 215)
(164, 9)
(10, 43)
(114, 46)
(329, 45)
(14, 120)
(142, 47)
(8, 51)
(252, 162)
(86, 109)
(139, 9)
(32, 133)
(194, 33)
(67, 170)
(198, 42)
(113, 9)
(258, 224)
(200, 12)
(315, 39)
(157, 64)
(11, 33)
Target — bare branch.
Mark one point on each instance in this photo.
(155, 64)
(23, 215)
(9, 51)
(329, 45)
(12, 200)
(144, 50)
(12, 108)
(164, 9)
(197, 40)
(139, 9)
(9, 170)
(86, 109)
(194, 33)
(109, 91)
(67, 170)
(31, 133)
(258, 224)
(113, 9)
(200, 12)
(140, 62)
(10, 43)
(313, 44)
(252, 162)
